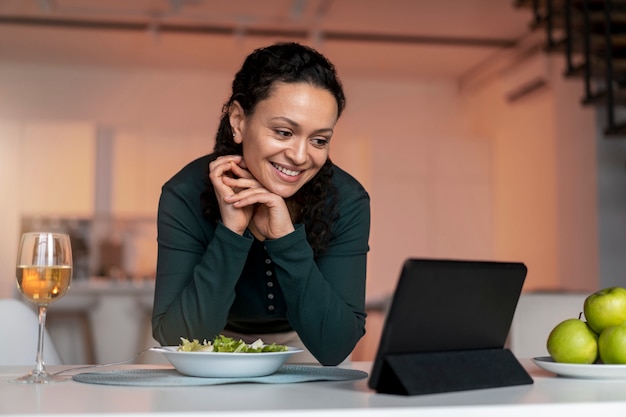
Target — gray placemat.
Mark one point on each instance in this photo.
(287, 374)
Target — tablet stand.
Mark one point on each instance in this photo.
(435, 372)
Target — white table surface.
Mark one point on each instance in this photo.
(548, 396)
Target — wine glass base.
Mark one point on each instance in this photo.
(40, 378)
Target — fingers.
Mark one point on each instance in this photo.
(232, 164)
(228, 177)
(243, 199)
(256, 195)
(271, 218)
(239, 184)
(222, 165)
(240, 170)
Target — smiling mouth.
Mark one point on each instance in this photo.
(286, 171)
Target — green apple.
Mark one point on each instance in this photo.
(605, 308)
(572, 341)
(612, 344)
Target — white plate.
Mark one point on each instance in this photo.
(226, 365)
(574, 370)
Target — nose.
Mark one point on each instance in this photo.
(297, 151)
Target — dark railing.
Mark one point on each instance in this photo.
(592, 35)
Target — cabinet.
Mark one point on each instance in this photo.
(56, 169)
(143, 161)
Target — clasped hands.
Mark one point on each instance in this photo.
(245, 203)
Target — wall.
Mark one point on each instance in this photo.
(543, 170)
(429, 182)
(611, 215)
(577, 166)
(56, 170)
(10, 206)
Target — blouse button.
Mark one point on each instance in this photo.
(268, 261)
(268, 273)
(270, 296)
(270, 307)
(270, 284)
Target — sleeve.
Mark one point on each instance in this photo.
(326, 297)
(195, 281)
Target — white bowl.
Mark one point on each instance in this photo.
(226, 365)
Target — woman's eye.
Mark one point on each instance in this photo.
(283, 133)
(321, 142)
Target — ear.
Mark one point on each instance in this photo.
(237, 121)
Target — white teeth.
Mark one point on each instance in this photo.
(286, 171)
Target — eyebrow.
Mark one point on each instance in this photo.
(297, 125)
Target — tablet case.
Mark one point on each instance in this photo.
(447, 326)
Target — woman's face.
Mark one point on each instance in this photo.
(286, 140)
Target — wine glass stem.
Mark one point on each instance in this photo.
(39, 365)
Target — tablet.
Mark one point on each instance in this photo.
(443, 305)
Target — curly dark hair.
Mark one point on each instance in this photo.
(255, 81)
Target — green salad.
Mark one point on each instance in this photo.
(226, 344)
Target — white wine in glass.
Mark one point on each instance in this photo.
(44, 273)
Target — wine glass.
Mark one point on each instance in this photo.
(44, 272)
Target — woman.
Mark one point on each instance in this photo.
(271, 240)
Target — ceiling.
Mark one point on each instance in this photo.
(398, 38)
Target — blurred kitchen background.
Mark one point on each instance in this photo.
(462, 122)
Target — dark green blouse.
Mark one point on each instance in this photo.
(210, 278)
